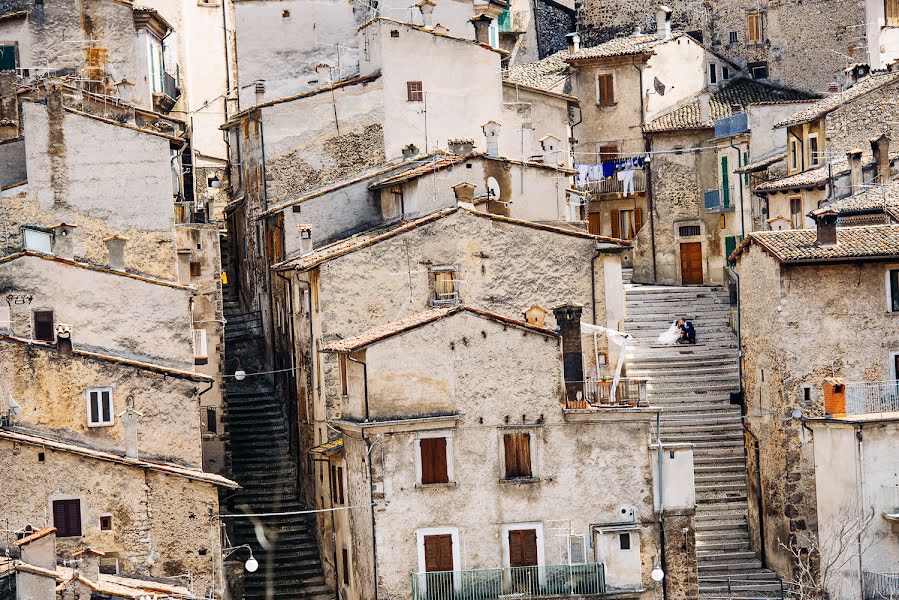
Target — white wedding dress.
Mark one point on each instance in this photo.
(670, 336)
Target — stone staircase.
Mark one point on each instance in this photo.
(693, 385)
(262, 463)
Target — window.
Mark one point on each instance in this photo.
(344, 383)
(759, 70)
(624, 541)
(608, 152)
(195, 269)
(894, 290)
(725, 73)
(67, 518)
(109, 565)
(211, 420)
(434, 459)
(201, 355)
(345, 555)
(577, 553)
(43, 326)
(755, 22)
(154, 64)
(713, 74)
(605, 89)
(891, 12)
(725, 183)
(37, 240)
(106, 522)
(438, 551)
(7, 57)
(337, 485)
(517, 452)
(814, 155)
(689, 230)
(444, 281)
(795, 154)
(523, 548)
(733, 37)
(99, 407)
(629, 223)
(414, 91)
(796, 212)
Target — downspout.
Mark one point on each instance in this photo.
(740, 179)
(593, 284)
(371, 483)
(660, 458)
(647, 147)
(861, 507)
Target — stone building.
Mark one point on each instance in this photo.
(426, 429)
(700, 205)
(797, 289)
(799, 44)
(882, 32)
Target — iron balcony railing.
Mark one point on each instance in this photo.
(613, 185)
(880, 586)
(733, 125)
(718, 201)
(170, 85)
(511, 582)
(598, 393)
(871, 397)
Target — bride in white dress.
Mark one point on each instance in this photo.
(670, 336)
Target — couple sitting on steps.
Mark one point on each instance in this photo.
(680, 332)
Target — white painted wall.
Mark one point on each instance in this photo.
(883, 42)
(681, 65)
(766, 140)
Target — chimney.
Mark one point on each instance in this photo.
(482, 28)
(461, 146)
(550, 145)
(324, 74)
(305, 233)
(64, 339)
(130, 420)
(574, 42)
(19, 314)
(568, 321)
(260, 91)
(491, 133)
(115, 246)
(826, 225)
(63, 244)
(89, 564)
(39, 549)
(663, 22)
(880, 148)
(427, 10)
(410, 151)
(705, 107)
(834, 397)
(464, 193)
(856, 176)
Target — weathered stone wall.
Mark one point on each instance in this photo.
(52, 392)
(831, 27)
(681, 566)
(12, 159)
(855, 123)
(554, 21)
(162, 525)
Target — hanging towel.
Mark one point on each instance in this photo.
(583, 171)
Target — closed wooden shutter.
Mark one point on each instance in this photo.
(638, 220)
(518, 455)
(433, 460)
(616, 226)
(438, 553)
(523, 548)
(196, 269)
(340, 496)
(594, 223)
(605, 90)
(891, 12)
(67, 518)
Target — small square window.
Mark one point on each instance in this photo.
(37, 240)
(99, 407)
(414, 91)
(624, 541)
(444, 286)
(713, 73)
(733, 37)
(106, 522)
(41, 457)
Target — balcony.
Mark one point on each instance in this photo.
(165, 98)
(871, 397)
(733, 125)
(880, 586)
(511, 582)
(611, 185)
(718, 200)
(597, 393)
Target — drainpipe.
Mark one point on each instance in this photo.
(740, 179)
(661, 456)
(861, 506)
(647, 147)
(371, 483)
(593, 284)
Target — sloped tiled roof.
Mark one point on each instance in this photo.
(831, 103)
(622, 46)
(762, 163)
(800, 245)
(388, 330)
(548, 74)
(810, 178)
(740, 91)
(879, 199)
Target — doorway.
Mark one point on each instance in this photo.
(691, 263)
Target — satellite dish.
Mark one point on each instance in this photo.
(659, 86)
(493, 188)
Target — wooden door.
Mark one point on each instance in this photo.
(525, 575)
(593, 223)
(691, 263)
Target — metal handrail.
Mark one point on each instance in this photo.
(530, 582)
(598, 393)
(871, 397)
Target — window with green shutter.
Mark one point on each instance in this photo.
(725, 183)
(7, 58)
(730, 244)
(505, 20)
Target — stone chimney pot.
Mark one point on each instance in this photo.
(880, 148)
(856, 176)
(427, 11)
(63, 244)
(663, 22)
(115, 246)
(482, 28)
(323, 71)
(574, 42)
(491, 133)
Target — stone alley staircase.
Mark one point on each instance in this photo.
(693, 385)
(262, 464)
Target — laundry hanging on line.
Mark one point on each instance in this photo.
(587, 172)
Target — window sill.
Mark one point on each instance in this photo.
(95, 425)
(427, 486)
(520, 481)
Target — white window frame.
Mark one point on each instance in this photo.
(87, 400)
(713, 74)
(814, 160)
(801, 212)
(155, 65)
(450, 471)
(454, 269)
(200, 343)
(886, 277)
(505, 528)
(44, 236)
(532, 447)
(568, 546)
(453, 532)
(893, 373)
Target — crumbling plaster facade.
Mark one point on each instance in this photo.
(783, 355)
(51, 390)
(163, 525)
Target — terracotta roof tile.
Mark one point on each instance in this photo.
(549, 74)
(831, 103)
(622, 46)
(853, 243)
(35, 536)
(884, 199)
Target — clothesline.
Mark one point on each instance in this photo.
(623, 168)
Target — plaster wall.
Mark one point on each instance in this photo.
(619, 124)
(162, 525)
(107, 311)
(16, 30)
(528, 117)
(765, 140)
(681, 65)
(52, 391)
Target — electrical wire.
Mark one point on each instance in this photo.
(295, 512)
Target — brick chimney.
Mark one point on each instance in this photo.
(259, 88)
(89, 564)
(491, 133)
(464, 193)
(663, 22)
(115, 246)
(856, 176)
(568, 321)
(880, 148)
(482, 28)
(63, 243)
(574, 42)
